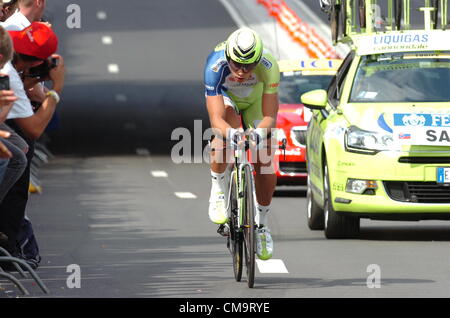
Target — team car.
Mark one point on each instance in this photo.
(378, 144)
(297, 77)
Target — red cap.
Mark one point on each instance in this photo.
(37, 40)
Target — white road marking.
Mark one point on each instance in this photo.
(159, 174)
(113, 68)
(272, 266)
(101, 15)
(142, 152)
(233, 13)
(185, 195)
(107, 40)
(121, 98)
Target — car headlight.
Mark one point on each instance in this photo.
(361, 186)
(367, 141)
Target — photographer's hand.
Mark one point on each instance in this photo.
(7, 98)
(30, 82)
(37, 93)
(4, 151)
(57, 74)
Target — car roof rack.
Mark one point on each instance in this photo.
(350, 19)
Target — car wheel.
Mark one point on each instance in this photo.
(315, 215)
(337, 226)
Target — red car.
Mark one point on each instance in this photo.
(297, 77)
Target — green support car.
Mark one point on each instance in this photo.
(378, 144)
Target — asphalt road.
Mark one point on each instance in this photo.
(133, 237)
(114, 202)
(146, 81)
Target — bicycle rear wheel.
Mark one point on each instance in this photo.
(249, 227)
(235, 234)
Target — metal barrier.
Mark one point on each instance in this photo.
(300, 32)
(10, 277)
(17, 262)
(41, 157)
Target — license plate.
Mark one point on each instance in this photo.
(443, 175)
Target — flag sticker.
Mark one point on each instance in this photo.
(404, 136)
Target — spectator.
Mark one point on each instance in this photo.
(9, 8)
(29, 11)
(33, 46)
(14, 144)
(13, 160)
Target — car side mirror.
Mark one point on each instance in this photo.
(316, 99)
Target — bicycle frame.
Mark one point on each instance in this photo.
(243, 223)
(241, 163)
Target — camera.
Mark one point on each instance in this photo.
(4, 83)
(43, 70)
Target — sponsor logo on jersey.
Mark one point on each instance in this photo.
(232, 81)
(267, 64)
(216, 67)
(240, 88)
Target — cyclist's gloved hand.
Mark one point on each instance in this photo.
(259, 135)
(234, 136)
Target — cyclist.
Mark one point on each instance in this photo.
(241, 81)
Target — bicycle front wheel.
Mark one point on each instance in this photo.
(249, 226)
(235, 234)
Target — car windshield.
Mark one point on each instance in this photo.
(406, 77)
(294, 84)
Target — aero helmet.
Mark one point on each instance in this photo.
(244, 46)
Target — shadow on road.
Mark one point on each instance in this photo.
(299, 283)
(290, 193)
(405, 233)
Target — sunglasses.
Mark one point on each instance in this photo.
(235, 66)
